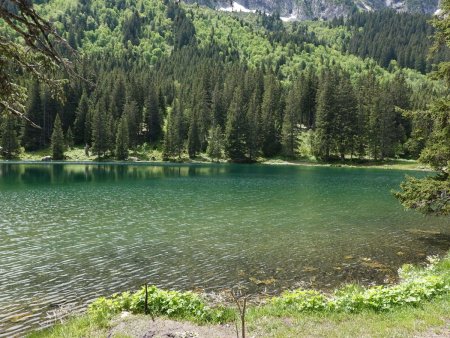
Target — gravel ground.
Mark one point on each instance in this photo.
(145, 327)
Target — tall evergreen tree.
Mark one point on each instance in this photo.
(101, 141)
(194, 143)
(215, 144)
(153, 117)
(69, 138)
(10, 146)
(57, 143)
(253, 141)
(289, 131)
(323, 139)
(80, 128)
(131, 113)
(122, 140)
(118, 97)
(174, 138)
(345, 121)
(235, 133)
(307, 92)
(271, 117)
(367, 95)
(32, 137)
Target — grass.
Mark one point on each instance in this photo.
(428, 319)
(78, 326)
(397, 164)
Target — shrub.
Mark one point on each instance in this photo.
(417, 285)
(174, 304)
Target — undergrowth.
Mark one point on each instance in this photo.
(173, 304)
(416, 285)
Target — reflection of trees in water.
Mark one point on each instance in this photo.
(75, 173)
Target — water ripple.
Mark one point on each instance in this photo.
(69, 234)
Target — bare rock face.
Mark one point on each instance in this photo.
(320, 9)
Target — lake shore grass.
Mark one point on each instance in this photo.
(430, 319)
(152, 156)
(417, 306)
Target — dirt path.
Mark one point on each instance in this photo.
(145, 327)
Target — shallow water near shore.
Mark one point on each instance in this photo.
(70, 233)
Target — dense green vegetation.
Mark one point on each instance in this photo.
(191, 80)
(431, 195)
(387, 36)
(174, 304)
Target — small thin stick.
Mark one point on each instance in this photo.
(146, 300)
(241, 313)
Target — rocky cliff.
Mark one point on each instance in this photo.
(324, 9)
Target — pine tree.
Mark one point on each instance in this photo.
(153, 116)
(9, 140)
(322, 143)
(217, 107)
(130, 111)
(51, 107)
(345, 121)
(384, 131)
(289, 131)
(253, 131)
(122, 140)
(118, 97)
(194, 144)
(81, 113)
(32, 137)
(174, 138)
(307, 92)
(203, 109)
(367, 94)
(235, 133)
(57, 144)
(69, 138)
(271, 117)
(100, 129)
(215, 145)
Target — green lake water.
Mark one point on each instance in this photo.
(70, 233)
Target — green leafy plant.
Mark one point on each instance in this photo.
(417, 285)
(173, 304)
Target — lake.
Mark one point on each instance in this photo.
(70, 233)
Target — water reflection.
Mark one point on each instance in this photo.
(11, 174)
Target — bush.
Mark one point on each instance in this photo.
(417, 285)
(174, 304)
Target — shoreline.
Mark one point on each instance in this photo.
(406, 165)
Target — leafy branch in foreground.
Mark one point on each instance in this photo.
(28, 44)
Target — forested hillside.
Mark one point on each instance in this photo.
(386, 36)
(188, 80)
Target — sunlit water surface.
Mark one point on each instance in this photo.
(70, 233)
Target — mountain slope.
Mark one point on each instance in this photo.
(324, 9)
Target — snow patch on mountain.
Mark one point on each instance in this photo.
(291, 17)
(366, 6)
(396, 4)
(236, 8)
